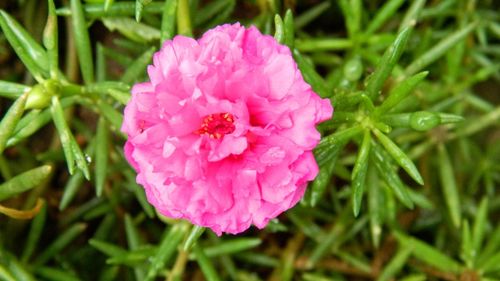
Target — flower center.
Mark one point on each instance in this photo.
(217, 125)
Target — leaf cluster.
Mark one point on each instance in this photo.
(407, 188)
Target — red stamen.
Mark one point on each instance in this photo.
(217, 125)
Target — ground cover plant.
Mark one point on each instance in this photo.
(409, 164)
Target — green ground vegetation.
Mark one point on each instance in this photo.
(410, 163)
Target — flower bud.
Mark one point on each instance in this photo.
(424, 120)
(353, 69)
(40, 95)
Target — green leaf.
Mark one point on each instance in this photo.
(411, 17)
(37, 226)
(492, 264)
(193, 237)
(311, 76)
(479, 123)
(479, 227)
(139, 6)
(387, 63)
(59, 244)
(100, 63)
(168, 20)
(106, 226)
(289, 29)
(104, 87)
(82, 41)
(139, 193)
(467, 252)
(29, 51)
(491, 247)
(5, 274)
(345, 101)
(258, 259)
(24, 181)
(308, 227)
(326, 155)
(70, 190)
(166, 249)
(10, 120)
(449, 185)
(72, 151)
(101, 155)
(401, 158)
(279, 33)
(28, 125)
(33, 121)
(352, 16)
(232, 246)
(122, 59)
(118, 9)
(420, 120)
(383, 163)
(134, 242)
(99, 211)
(323, 44)
(421, 200)
(210, 11)
(12, 90)
(55, 274)
(400, 92)
(319, 185)
(446, 118)
(81, 210)
(107, 248)
(389, 206)
(439, 49)
(113, 116)
(375, 205)
(133, 238)
(19, 271)
(206, 265)
(428, 254)
(396, 264)
(358, 262)
(358, 175)
(119, 96)
(309, 15)
(339, 137)
(327, 243)
(138, 67)
(135, 258)
(108, 4)
(50, 40)
(382, 15)
(135, 31)
(221, 17)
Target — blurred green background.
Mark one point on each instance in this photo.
(408, 187)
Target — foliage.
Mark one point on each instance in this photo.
(409, 163)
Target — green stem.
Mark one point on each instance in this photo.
(183, 18)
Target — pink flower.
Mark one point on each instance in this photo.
(223, 133)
